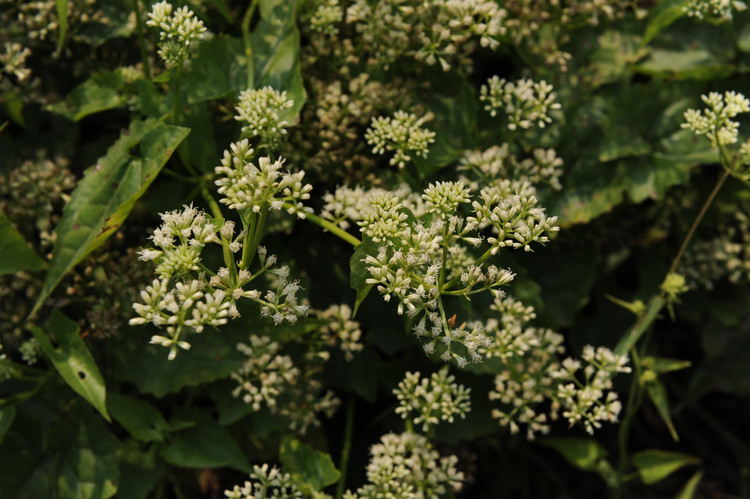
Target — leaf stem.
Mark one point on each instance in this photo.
(346, 449)
(635, 397)
(330, 227)
(176, 89)
(698, 220)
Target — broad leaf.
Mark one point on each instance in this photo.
(662, 15)
(141, 419)
(99, 93)
(655, 465)
(204, 445)
(73, 360)
(15, 253)
(104, 197)
(308, 467)
(276, 61)
(218, 70)
(359, 273)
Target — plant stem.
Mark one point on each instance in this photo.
(176, 90)
(141, 39)
(330, 227)
(635, 397)
(248, 43)
(346, 449)
(698, 220)
(252, 238)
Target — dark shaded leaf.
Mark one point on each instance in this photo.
(15, 252)
(654, 465)
(99, 93)
(141, 419)
(104, 197)
(73, 360)
(658, 395)
(359, 273)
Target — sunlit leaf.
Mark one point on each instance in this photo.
(307, 466)
(655, 465)
(99, 93)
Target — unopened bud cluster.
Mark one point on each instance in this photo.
(431, 400)
(721, 10)
(178, 31)
(535, 387)
(265, 482)
(526, 103)
(716, 122)
(402, 135)
(407, 466)
(261, 111)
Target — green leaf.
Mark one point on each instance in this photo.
(217, 70)
(141, 419)
(307, 466)
(7, 414)
(62, 20)
(99, 93)
(73, 360)
(658, 395)
(104, 197)
(206, 444)
(693, 64)
(212, 356)
(688, 491)
(221, 6)
(80, 459)
(359, 273)
(199, 148)
(662, 15)
(276, 61)
(654, 465)
(15, 252)
(583, 453)
(164, 77)
(453, 102)
(661, 365)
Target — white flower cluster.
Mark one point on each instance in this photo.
(261, 110)
(525, 102)
(14, 61)
(407, 467)
(591, 401)
(281, 303)
(726, 256)
(246, 185)
(265, 483)
(516, 220)
(342, 330)
(440, 31)
(178, 31)
(326, 16)
(713, 9)
(288, 387)
(715, 122)
(495, 164)
(348, 204)
(434, 399)
(401, 134)
(264, 374)
(534, 377)
(31, 351)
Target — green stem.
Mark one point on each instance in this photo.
(141, 39)
(330, 227)
(346, 449)
(176, 90)
(248, 42)
(698, 220)
(252, 238)
(635, 397)
(174, 174)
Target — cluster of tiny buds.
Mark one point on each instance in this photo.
(260, 110)
(178, 31)
(721, 10)
(402, 135)
(715, 122)
(431, 400)
(407, 466)
(265, 482)
(525, 101)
